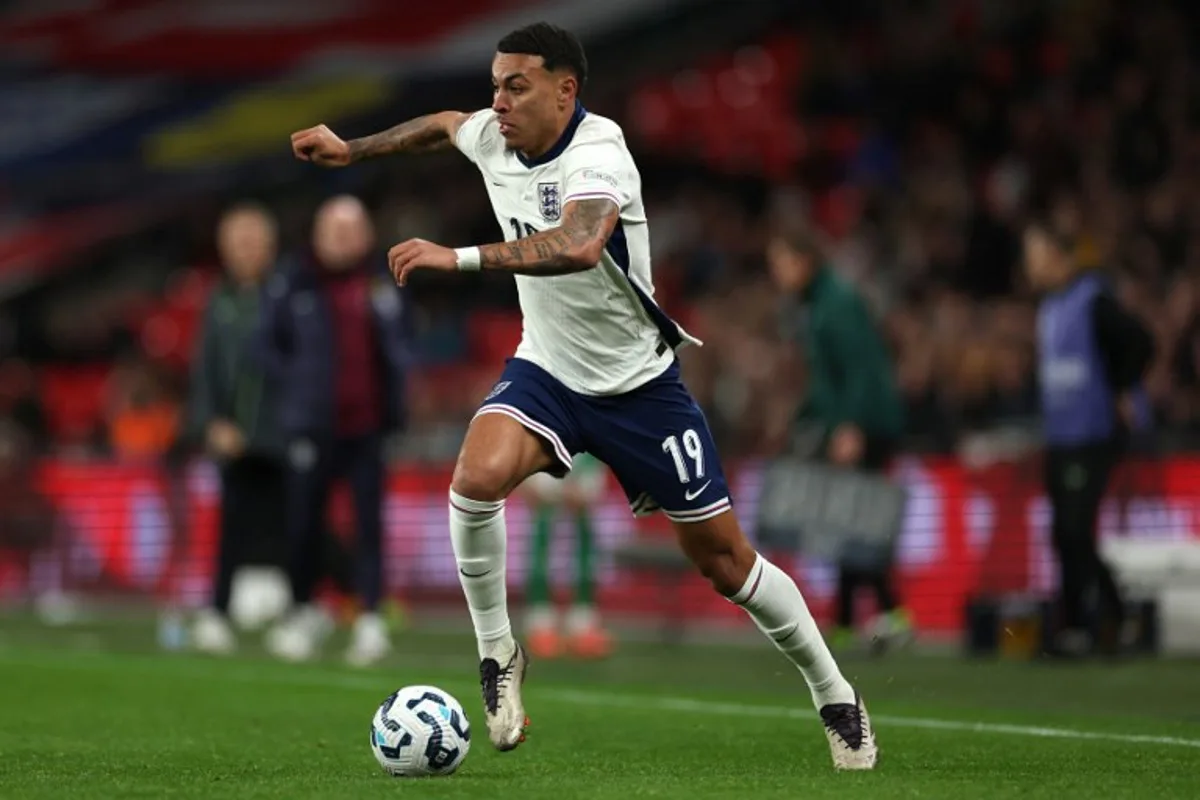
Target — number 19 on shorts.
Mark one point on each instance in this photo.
(694, 450)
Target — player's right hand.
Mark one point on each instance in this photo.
(321, 146)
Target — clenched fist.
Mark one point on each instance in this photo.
(321, 146)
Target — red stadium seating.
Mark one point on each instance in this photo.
(492, 336)
(735, 112)
(74, 399)
(227, 38)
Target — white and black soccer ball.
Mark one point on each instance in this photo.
(420, 731)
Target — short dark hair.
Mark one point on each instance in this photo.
(558, 47)
(799, 237)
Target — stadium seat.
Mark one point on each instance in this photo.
(492, 336)
(735, 112)
(74, 399)
(175, 37)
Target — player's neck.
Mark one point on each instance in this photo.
(564, 130)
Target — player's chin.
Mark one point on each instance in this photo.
(511, 136)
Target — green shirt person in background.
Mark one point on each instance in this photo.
(232, 416)
(576, 495)
(852, 411)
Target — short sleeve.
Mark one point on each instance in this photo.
(597, 169)
(471, 132)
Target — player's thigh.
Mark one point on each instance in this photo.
(498, 454)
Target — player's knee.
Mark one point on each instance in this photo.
(726, 566)
(487, 480)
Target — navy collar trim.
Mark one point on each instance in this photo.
(559, 146)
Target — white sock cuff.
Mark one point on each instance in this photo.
(475, 507)
(753, 581)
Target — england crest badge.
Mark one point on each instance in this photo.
(550, 202)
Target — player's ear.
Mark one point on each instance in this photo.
(568, 90)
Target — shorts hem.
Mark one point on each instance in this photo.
(532, 425)
(700, 514)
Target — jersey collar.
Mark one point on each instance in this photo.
(559, 146)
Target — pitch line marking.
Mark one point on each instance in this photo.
(690, 706)
(333, 678)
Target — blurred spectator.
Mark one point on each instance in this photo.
(20, 406)
(852, 408)
(335, 334)
(1093, 357)
(31, 531)
(1141, 142)
(1014, 391)
(143, 414)
(233, 412)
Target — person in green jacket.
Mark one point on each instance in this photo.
(852, 408)
(232, 413)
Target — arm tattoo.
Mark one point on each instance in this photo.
(420, 135)
(560, 250)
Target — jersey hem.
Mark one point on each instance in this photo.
(541, 364)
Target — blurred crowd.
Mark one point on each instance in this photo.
(959, 118)
(965, 124)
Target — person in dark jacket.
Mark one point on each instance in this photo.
(231, 412)
(1092, 359)
(335, 333)
(852, 410)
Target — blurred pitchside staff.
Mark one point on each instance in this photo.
(1092, 359)
(335, 333)
(852, 415)
(232, 412)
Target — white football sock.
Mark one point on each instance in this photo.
(480, 542)
(774, 602)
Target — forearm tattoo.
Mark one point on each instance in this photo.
(560, 250)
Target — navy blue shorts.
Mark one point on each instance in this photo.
(655, 439)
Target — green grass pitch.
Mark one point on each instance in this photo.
(97, 713)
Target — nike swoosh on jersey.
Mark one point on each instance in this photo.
(690, 496)
(466, 574)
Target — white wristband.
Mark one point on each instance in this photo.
(469, 259)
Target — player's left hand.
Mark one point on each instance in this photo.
(419, 254)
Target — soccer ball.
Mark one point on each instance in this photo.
(420, 731)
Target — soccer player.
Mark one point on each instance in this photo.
(575, 494)
(596, 369)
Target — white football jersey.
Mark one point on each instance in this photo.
(599, 332)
